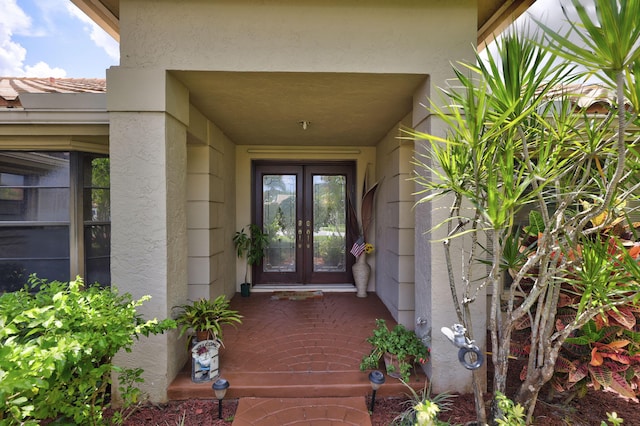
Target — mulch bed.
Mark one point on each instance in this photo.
(587, 411)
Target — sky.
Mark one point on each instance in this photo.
(53, 38)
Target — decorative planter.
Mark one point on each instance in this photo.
(392, 365)
(204, 360)
(361, 271)
(201, 336)
(245, 289)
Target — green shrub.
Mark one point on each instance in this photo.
(398, 341)
(57, 341)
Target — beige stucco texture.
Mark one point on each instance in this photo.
(181, 183)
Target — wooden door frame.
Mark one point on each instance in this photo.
(256, 198)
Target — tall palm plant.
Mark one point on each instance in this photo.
(516, 142)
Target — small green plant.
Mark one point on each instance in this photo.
(132, 397)
(251, 246)
(422, 408)
(613, 419)
(512, 414)
(399, 341)
(57, 341)
(206, 316)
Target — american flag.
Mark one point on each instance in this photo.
(358, 247)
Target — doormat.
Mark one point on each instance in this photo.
(296, 295)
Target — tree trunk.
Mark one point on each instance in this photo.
(527, 395)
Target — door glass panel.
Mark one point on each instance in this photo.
(279, 221)
(329, 223)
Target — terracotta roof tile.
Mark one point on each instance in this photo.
(12, 87)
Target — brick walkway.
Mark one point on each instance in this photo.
(291, 349)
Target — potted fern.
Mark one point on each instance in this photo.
(205, 318)
(250, 246)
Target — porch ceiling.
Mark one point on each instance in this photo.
(343, 109)
(267, 108)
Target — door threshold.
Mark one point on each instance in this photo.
(326, 288)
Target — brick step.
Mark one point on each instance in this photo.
(291, 385)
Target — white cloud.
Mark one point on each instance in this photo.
(13, 20)
(97, 34)
(42, 69)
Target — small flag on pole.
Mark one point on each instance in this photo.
(358, 247)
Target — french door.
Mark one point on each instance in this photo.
(304, 209)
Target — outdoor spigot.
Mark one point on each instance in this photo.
(457, 336)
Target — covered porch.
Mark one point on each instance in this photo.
(298, 347)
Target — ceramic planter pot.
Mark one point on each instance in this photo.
(245, 289)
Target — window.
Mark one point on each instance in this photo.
(44, 197)
(97, 219)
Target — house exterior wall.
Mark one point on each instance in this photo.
(433, 300)
(395, 225)
(148, 156)
(210, 204)
(152, 122)
(293, 35)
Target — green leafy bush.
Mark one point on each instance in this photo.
(57, 341)
(398, 341)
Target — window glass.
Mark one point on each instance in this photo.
(36, 219)
(25, 250)
(97, 217)
(34, 186)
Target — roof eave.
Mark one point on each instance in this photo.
(487, 30)
(102, 16)
(500, 20)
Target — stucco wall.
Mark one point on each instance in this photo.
(433, 295)
(148, 233)
(148, 152)
(374, 36)
(295, 35)
(211, 202)
(395, 225)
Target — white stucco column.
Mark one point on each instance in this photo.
(148, 118)
(434, 305)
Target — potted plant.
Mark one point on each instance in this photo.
(250, 246)
(398, 345)
(206, 317)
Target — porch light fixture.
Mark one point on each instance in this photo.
(220, 387)
(376, 378)
(304, 124)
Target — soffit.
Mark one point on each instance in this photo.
(267, 108)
